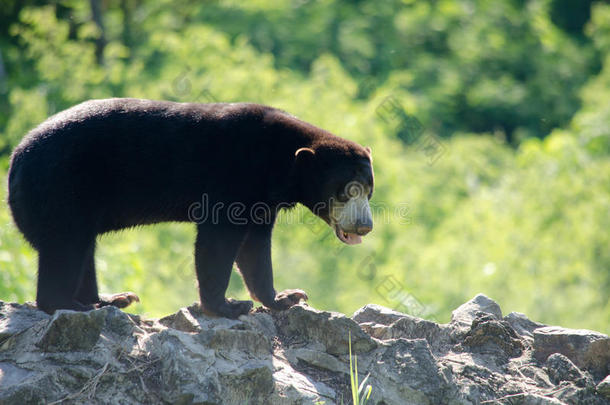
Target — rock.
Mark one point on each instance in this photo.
(586, 349)
(521, 324)
(331, 329)
(246, 341)
(72, 331)
(604, 387)
(488, 333)
(183, 368)
(318, 359)
(383, 323)
(262, 323)
(11, 375)
(181, 320)
(410, 327)
(15, 318)
(560, 369)
(535, 399)
(119, 323)
(299, 356)
(406, 372)
(20, 387)
(247, 385)
(293, 387)
(466, 313)
(373, 313)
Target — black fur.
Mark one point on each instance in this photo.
(105, 165)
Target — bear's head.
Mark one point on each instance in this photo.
(336, 184)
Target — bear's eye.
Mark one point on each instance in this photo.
(354, 189)
(341, 195)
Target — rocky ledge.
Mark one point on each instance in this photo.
(299, 356)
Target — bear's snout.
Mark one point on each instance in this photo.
(363, 227)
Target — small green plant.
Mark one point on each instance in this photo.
(360, 392)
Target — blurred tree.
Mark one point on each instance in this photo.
(100, 41)
(571, 15)
(525, 224)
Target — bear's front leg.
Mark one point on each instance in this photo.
(215, 250)
(254, 263)
(87, 293)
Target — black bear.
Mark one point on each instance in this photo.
(104, 165)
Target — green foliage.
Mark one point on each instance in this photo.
(17, 261)
(360, 392)
(515, 203)
(476, 66)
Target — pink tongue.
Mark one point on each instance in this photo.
(353, 239)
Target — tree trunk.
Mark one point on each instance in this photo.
(126, 9)
(100, 42)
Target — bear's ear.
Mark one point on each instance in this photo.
(304, 153)
(370, 152)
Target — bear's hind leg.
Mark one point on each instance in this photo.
(87, 291)
(60, 272)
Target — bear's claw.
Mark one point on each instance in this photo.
(120, 300)
(288, 298)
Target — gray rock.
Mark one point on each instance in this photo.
(560, 369)
(15, 318)
(535, 399)
(184, 373)
(251, 384)
(411, 327)
(569, 393)
(466, 313)
(11, 375)
(30, 390)
(72, 331)
(246, 341)
(586, 349)
(331, 329)
(488, 333)
(376, 330)
(118, 322)
(521, 324)
(261, 322)
(181, 320)
(317, 358)
(536, 375)
(294, 387)
(292, 357)
(406, 372)
(408, 327)
(604, 387)
(377, 314)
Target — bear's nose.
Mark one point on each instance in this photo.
(362, 228)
